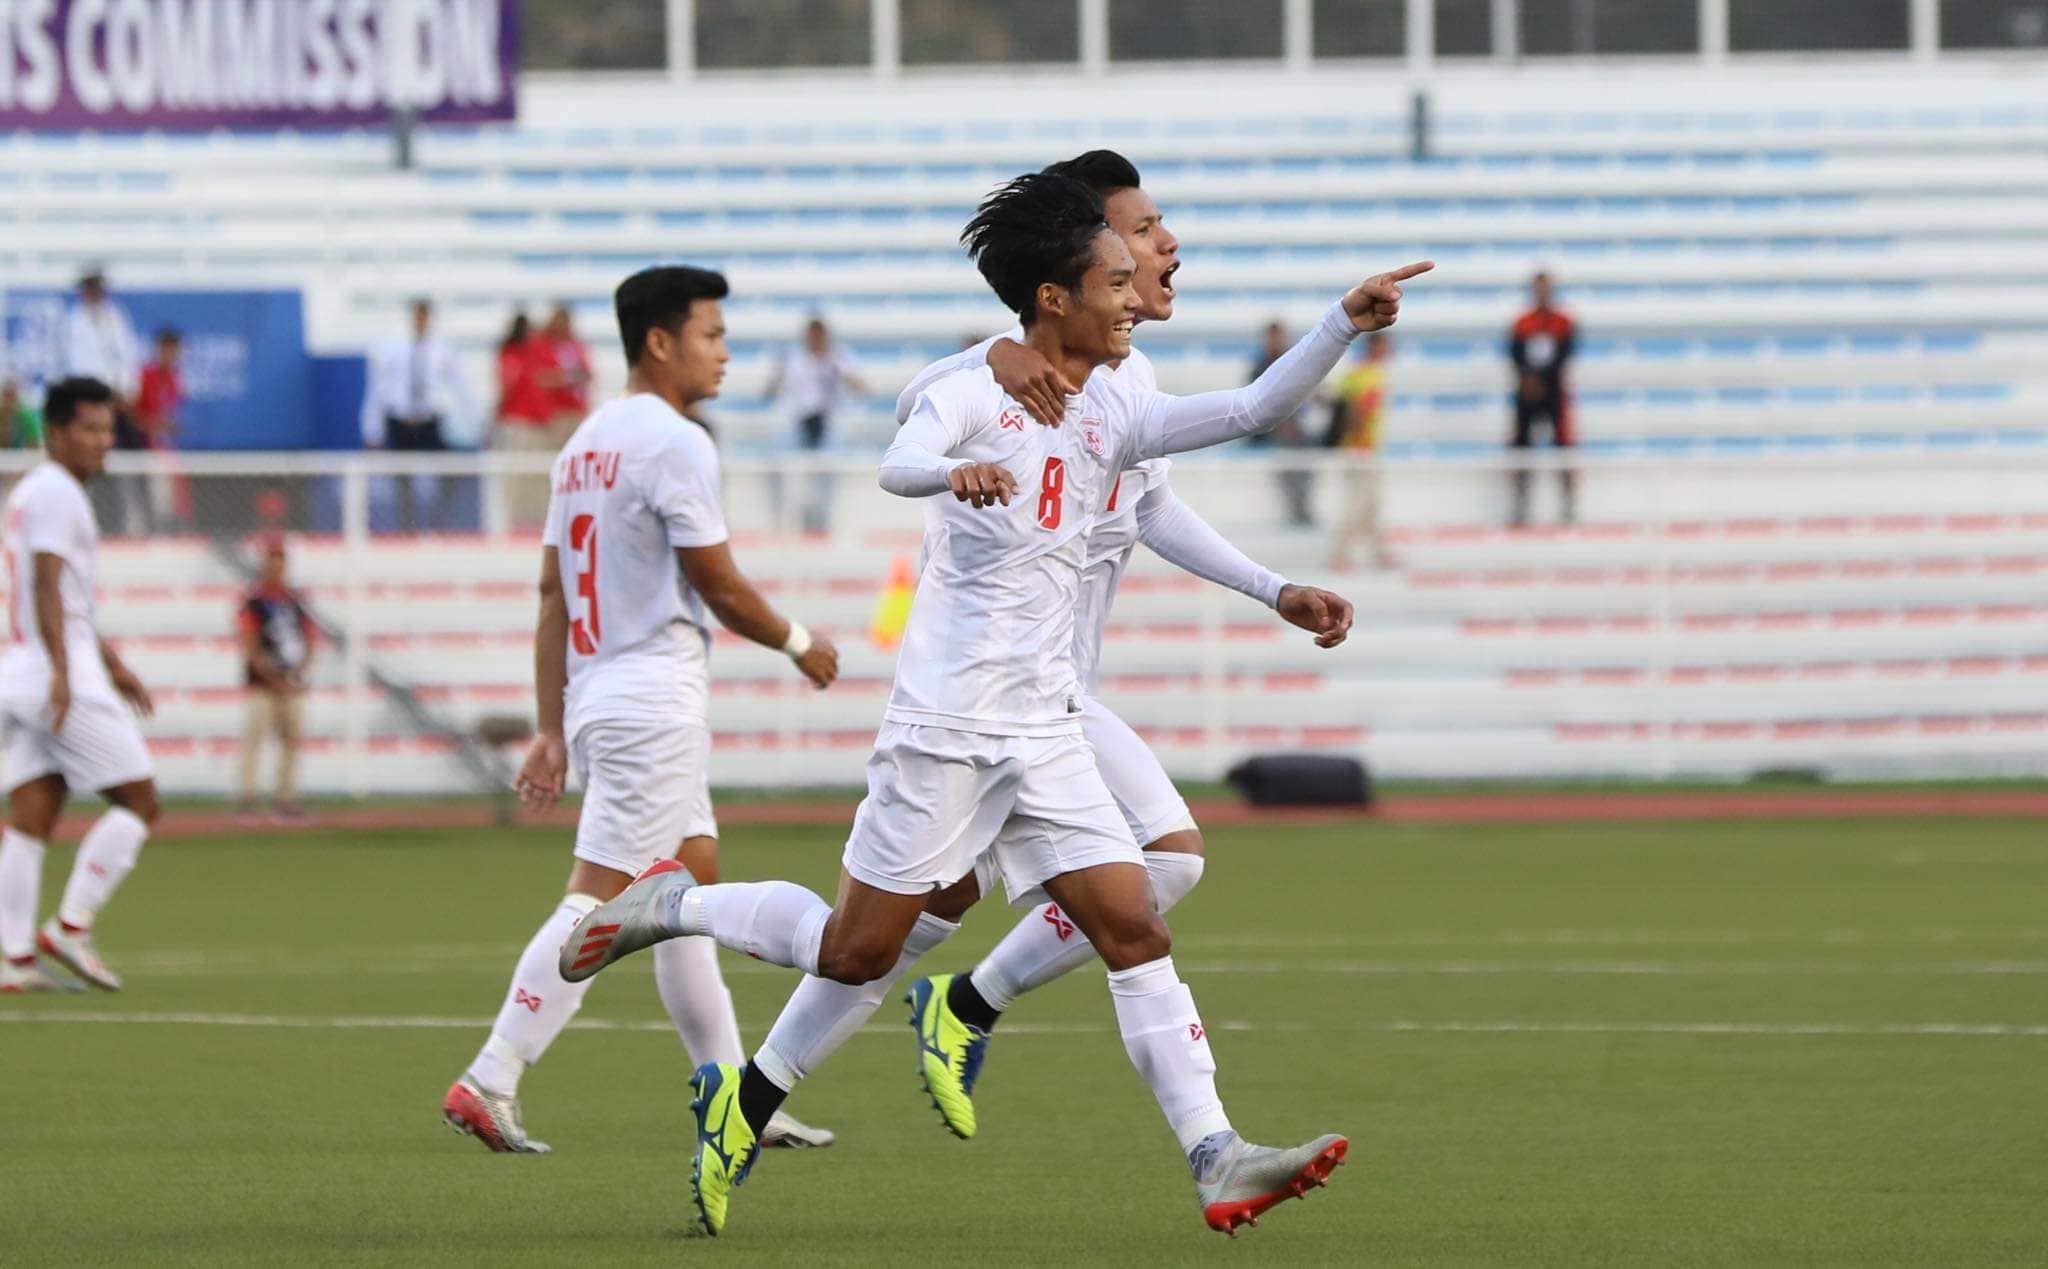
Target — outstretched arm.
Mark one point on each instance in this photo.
(1183, 539)
(1171, 425)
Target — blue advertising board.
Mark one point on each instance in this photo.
(248, 380)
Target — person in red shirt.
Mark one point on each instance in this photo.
(567, 373)
(159, 401)
(1541, 345)
(526, 411)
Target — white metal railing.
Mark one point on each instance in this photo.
(1857, 613)
(1924, 36)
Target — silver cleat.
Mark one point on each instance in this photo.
(626, 924)
(30, 978)
(1238, 1181)
(787, 1132)
(489, 1117)
(75, 952)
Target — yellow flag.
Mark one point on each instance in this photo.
(892, 608)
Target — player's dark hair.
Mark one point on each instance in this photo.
(1039, 228)
(61, 403)
(660, 299)
(1104, 171)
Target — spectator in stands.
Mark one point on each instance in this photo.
(1356, 419)
(414, 384)
(570, 377)
(525, 415)
(1541, 345)
(20, 424)
(159, 404)
(99, 343)
(1295, 481)
(811, 382)
(277, 649)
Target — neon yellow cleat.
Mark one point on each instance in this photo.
(949, 1051)
(726, 1148)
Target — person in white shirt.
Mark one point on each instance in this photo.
(981, 767)
(65, 703)
(414, 395)
(99, 342)
(635, 563)
(810, 381)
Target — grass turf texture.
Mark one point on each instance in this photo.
(1339, 971)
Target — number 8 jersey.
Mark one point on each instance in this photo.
(635, 482)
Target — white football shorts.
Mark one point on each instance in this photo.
(100, 746)
(646, 787)
(1144, 793)
(940, 800)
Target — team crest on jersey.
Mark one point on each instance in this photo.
(1091, 436)
(1013, 420)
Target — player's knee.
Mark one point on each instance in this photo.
(857, 965)
(1183, 839)
(141, 802)
(1126, 940)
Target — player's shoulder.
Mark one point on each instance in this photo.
(47, 487)
(966, 392)
(1136, 371)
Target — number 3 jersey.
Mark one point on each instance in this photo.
(990, 647)
(635, 482)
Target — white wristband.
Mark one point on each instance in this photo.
(798, 643)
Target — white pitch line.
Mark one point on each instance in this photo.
(245, 967)
(1983, 1030)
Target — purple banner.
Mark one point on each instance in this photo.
(126, 65)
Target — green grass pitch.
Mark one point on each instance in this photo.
(1741, 1044)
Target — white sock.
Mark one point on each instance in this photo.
(775, 921)
(21, 889)
(694, 993)
(537, 1005)
(822, 1014)
(1164, 1036)
(1045, 944)
(105, 858)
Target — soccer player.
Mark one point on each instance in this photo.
(954, 1014)
(981, 751)
(635, 523)
(65, 703)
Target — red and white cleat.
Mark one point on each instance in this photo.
(489, 1117)
(1246, 1180)
(73, 950)
(19, 978)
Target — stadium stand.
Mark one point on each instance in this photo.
(1784, 277)
(1803, 289)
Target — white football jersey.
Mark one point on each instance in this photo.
(1115, 534)
(995, 631)
(991, 642)
(48, 513)
(636, 481)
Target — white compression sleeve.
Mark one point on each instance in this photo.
(1183, 539)
(916, 465)
(1171, 425)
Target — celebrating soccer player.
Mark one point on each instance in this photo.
(67, 702)
(620, 675)
(954, 1014)
(981, 764)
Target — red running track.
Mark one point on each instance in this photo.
(1435, 808)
